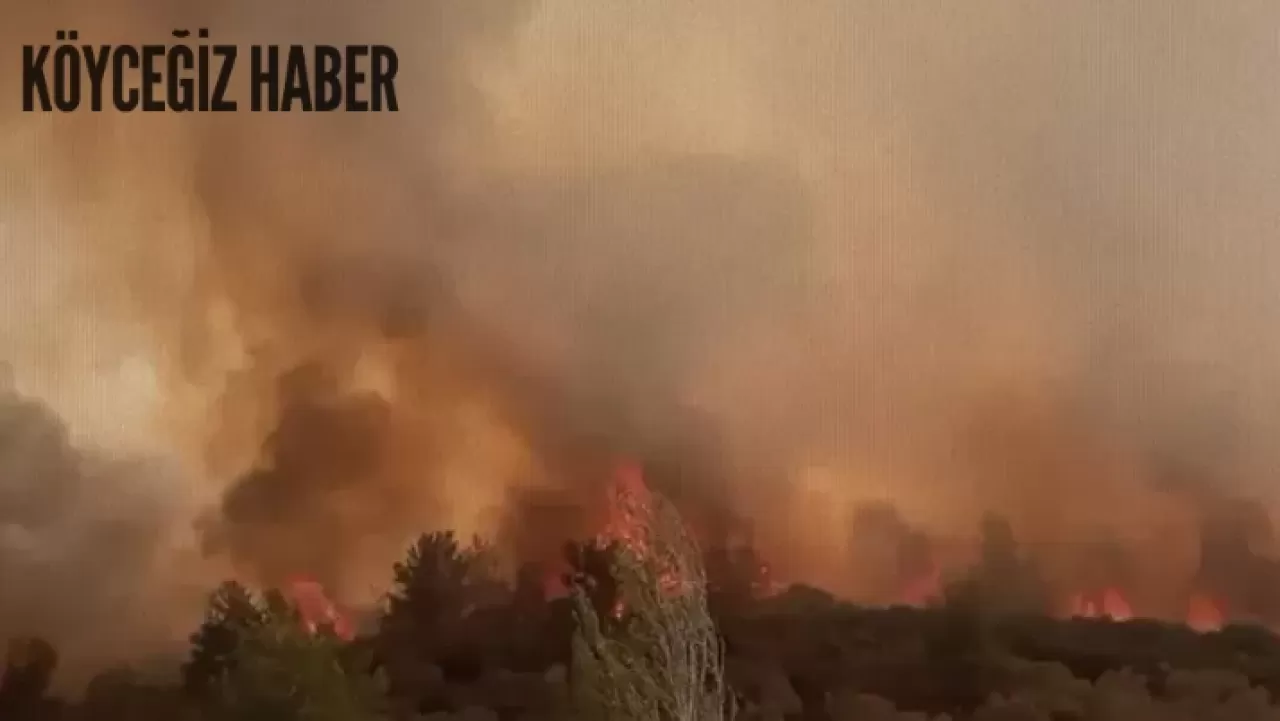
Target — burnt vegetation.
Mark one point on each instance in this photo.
(455, 640)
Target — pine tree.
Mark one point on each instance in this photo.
(439, 583)
(253, 659)
(430, 613)
(231, 613)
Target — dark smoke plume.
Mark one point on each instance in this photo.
(83, 536)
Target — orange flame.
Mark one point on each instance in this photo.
(1108, 603)
(923, 589)
(315, 607)
(630, 511)
(626, 522)
(1204, 614)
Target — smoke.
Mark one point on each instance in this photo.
(794, 258)
(80, 542)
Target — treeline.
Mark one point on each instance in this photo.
(669, 635)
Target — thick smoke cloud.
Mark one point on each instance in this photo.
(81, 541)
(796, 258)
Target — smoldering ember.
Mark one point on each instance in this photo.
(738, 360)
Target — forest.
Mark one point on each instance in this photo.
(655, 629)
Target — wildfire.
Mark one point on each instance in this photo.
(315, 607)
(627, 522)
(922, 589)
(630, 511)
(1204, 614)
(1107, 603)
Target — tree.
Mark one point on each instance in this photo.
(280, 671)
(592, 566)
(736, 577)
(1005, 580)
(664, 660)
(429, 614)
(231, 614)
(439, 582)
(29, 665)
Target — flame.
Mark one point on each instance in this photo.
(1107, 603)
(630, 510)
(922, 589)
(315, 607)
(1115, 605)
(625, 523)
(1204, 614)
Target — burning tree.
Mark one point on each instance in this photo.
(662, 660)
(235, 613)
(259, 657)
(283, 671)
